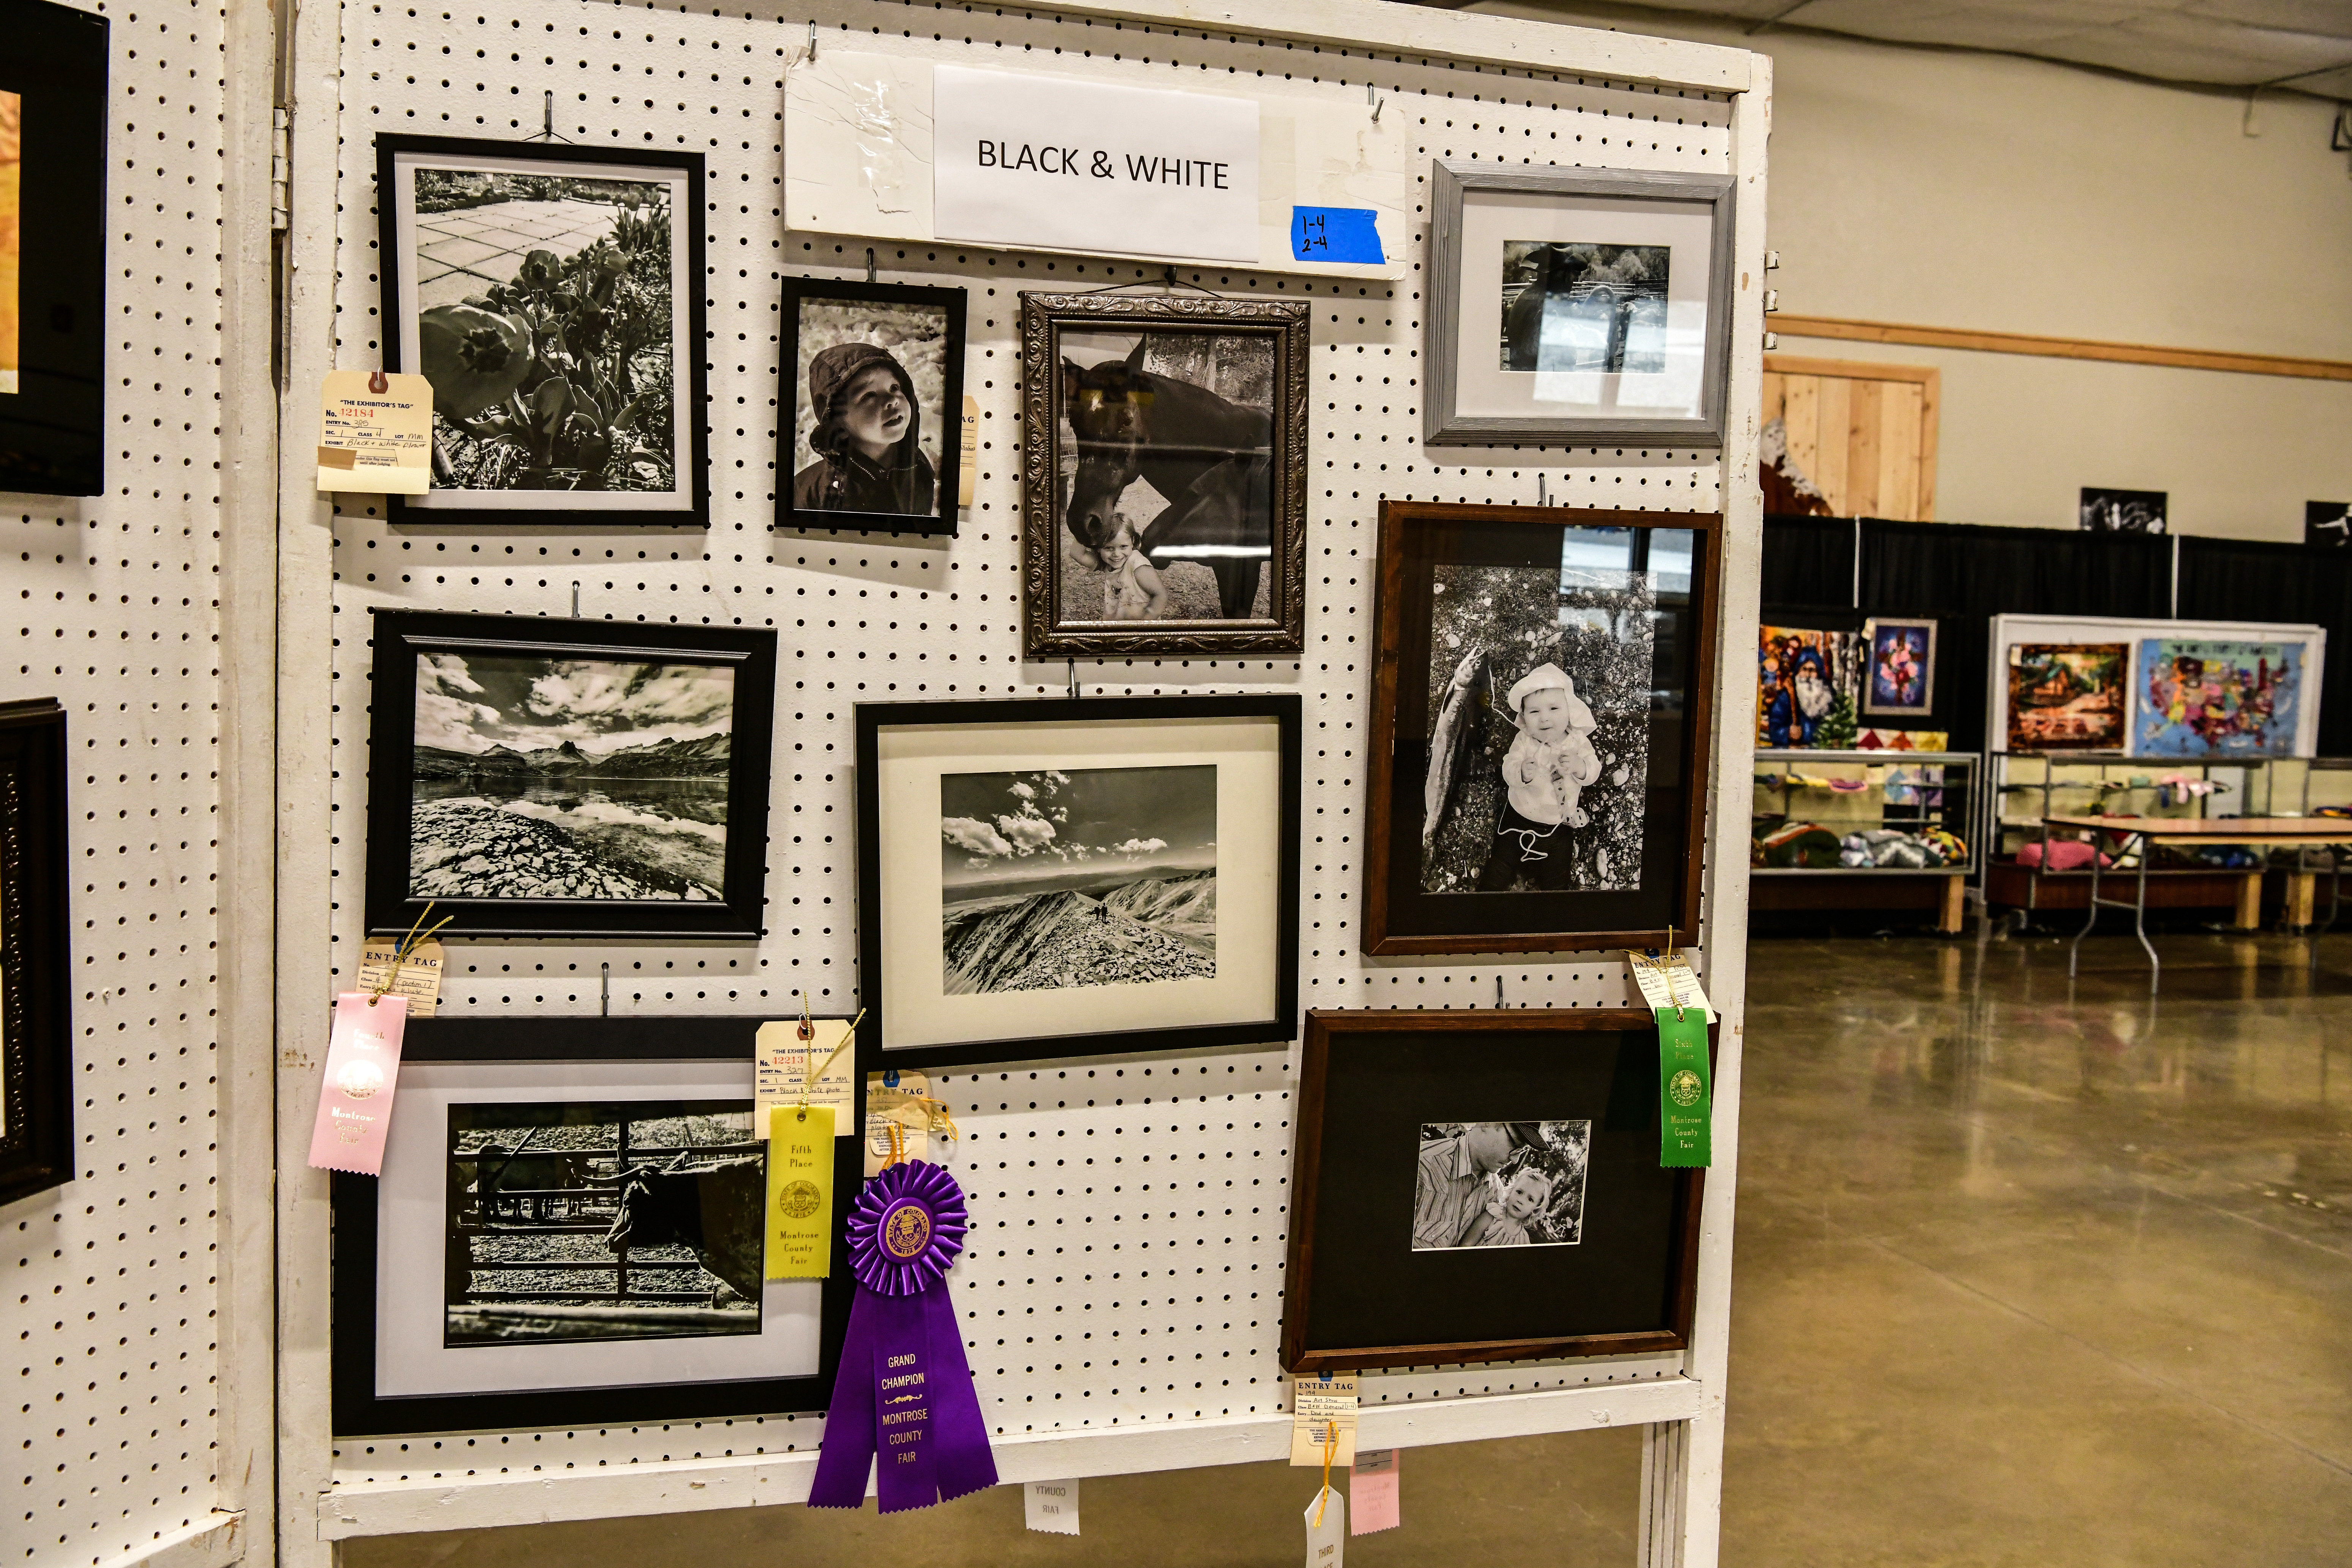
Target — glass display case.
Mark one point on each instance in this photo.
(1865, 813)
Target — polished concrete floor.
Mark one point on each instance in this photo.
(2028, 1273)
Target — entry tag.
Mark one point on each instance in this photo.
(1321, 1409)
(418, 977)
(1373, 1491)
(968, 464)
(902, 1105)
(375, 440)
(1686, 1086)
(1052, 1507)
(781, 1070)
(800, 1191)
(363, 1069)
(1327, 1530)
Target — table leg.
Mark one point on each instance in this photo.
(2075, 948)
(1954, 913)
(2302, 898)
(2139, 919)
(2334, 903)
(2250, 901)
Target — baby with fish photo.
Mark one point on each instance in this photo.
(1544, 786)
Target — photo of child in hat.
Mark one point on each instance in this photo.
(871, 407)
(1551, 761)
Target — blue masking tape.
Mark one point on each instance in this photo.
(1334, 233)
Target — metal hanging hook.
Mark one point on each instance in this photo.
(547, 121)
(869, 264)
(1540, 492)
(812, 43)
(1372, 97)
(605, 991)
(1074, 680)
(576, 601)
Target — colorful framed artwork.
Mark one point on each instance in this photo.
(1539, 728)
(1163, 475)
(1809, 686)
(554, 297)
(531, 776)
(52, 256)
(873, 380)
(1478, 1186)
(1576, 305)
(2218, 698)
(2068, 697)
(36, 1100)
(570, 1229)
(1073, 878)
(1900, 682)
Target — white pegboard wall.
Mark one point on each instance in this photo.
(1181, 1321)
(110, 1279)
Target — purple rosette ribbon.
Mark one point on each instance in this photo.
(903, 1399)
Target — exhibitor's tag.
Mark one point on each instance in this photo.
(1321, 1409)
(800, 1191)
(1052, 1507)
(375, 439)
(1327, 1530)
(1373, 1491)
(363, 1070)
(903, 1106)
(780, 1070)
(969, 465)
(417, 978)
(1686, 1086)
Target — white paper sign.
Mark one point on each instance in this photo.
(1052, 1507)
(1056, 162)
(1327, 1530)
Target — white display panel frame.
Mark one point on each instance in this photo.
(867, 617)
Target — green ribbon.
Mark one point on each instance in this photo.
(1685, 1090)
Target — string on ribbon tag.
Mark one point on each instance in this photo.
(816, 1069)
(1330, 1447)
(408, 945)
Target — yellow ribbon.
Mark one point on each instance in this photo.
(1330, 1448)
(399, 954)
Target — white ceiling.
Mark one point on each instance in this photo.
(2301, 45)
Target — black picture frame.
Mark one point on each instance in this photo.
(53, 425)
(1401, 916)
(689, 399)
(359, 1411)
(36, 1141)
(1045, 319)
(402, 636)
(1358, 1293)
(792, 391)
(1281, 1023)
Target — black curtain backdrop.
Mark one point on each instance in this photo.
(2236, 580)
(1963, 575)
(1807, 560)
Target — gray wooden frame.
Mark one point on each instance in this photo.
(1450, 179)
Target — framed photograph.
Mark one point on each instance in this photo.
(1572, 305)
(1166, 441)
(553, 295)
(1809, 686)
(570, 1229)
(2068, 697)
(874, 377)
(2104, 511)
(1901, 680)
(1082, 877)
(1538, 754)
(541, 777)
(1483, 1185)
(53, 265)
(37, 1143)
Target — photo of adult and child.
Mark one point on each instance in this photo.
(1500, 1184)
(1165, 488)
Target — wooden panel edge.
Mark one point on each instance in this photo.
(2061, 348)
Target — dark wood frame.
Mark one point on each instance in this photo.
(689, 401)
(872, 717)
(358, 1412)
(790, 392)
(1380, 787)
(1044, 319)
(1452, 1030)
(53, 430)
(1450, 180)
(37, 1149)
(401, 634)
